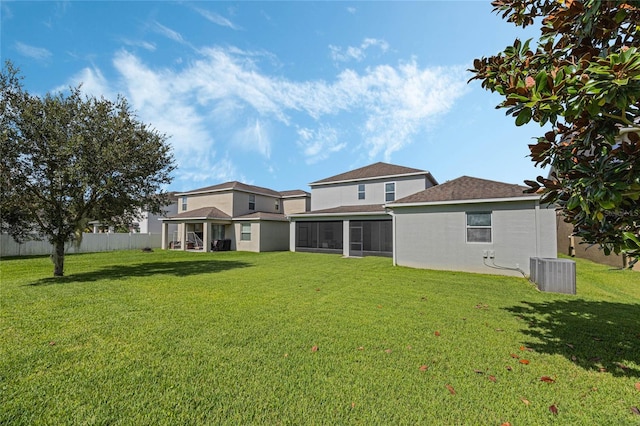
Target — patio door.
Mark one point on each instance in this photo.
(355, 239)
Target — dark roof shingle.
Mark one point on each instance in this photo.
(465, 188)
(371, 171)
(204, 212)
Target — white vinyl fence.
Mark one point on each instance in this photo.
(90, 243)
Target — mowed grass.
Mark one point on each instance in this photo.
(292, 338)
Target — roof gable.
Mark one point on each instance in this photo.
(237, 186)
(372, 171)
(466, 188)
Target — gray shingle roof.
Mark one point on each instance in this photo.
(234, 185)
(204, 212)
(263, 216)
(369, 208)
(465, 188)
(372, 171)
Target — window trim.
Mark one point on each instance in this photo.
(277, 206)
(389, 192)
(361, 191)
(489, 227)
(244, 234)
(252, 201)
(184, 203)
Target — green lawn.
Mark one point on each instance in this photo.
(294, 338)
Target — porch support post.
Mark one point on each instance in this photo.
(206, 236)
(346, 243)
(165, 235)
(183, 237)
(292, 235)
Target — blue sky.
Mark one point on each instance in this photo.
(281, 94)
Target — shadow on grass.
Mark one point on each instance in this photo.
(597, 336)
(175, 268)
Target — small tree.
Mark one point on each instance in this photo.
(66, 159)
(582, 79)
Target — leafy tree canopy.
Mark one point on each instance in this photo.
(582, 78)
(66, 159)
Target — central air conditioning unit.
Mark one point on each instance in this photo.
(553, 275)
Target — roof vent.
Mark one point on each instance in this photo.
(553, 275)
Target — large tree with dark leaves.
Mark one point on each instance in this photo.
(68, 158)
(582, 79)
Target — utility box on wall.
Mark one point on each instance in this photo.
(553, 275)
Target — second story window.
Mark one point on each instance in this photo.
(252, 202)
(277, 205)
(389, 191)
(184, 203)
(361, 191)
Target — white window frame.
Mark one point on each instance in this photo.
(252, 202)
(386, 193)
(277, 205)
(245, 232)
(361, 191)
(489, 227)
(184, 203)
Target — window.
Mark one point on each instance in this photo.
(389, 191)
(361, 191)
(277, 205)
(252, 202)
(184, 203)
(245, 232)
(479, 227)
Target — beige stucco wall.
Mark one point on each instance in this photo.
(296, 205)
(274, 236)
(434, 237)
(222, 201)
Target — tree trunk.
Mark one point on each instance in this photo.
(58, 259)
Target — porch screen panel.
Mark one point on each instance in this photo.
(319, 235)
(377, 235)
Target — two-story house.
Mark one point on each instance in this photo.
(233, 216)
(347, 210)
(466, 224)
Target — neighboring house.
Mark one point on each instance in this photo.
(473, 225)
(146, 222)
(244, 217)
(347, 210)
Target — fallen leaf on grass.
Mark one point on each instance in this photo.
(423, 368)
(452, 391)
(621, 365)
(361, 348)
(570, 345)
(525, 401)
(506, 424)
(546, 379)
(52, 343)
(499, 329)
(509, 368)
(379, 306)
(437, 333)
(353, 405)
(479, 371)
(492, 378)
(514, 356)
(524, 348)
(388, 351)
(314, 349)
(553, 409)
(524, 361)
(638, 386)
(635, 410)
(286, 355)
(602, 370)
(574, 358)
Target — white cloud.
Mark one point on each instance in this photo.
(351, 10)
(319, 144)
(254, 137)
(216, 19)
(140, 43)
(38, 53)
(358, 53)
(169, 33)
(224, 98)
